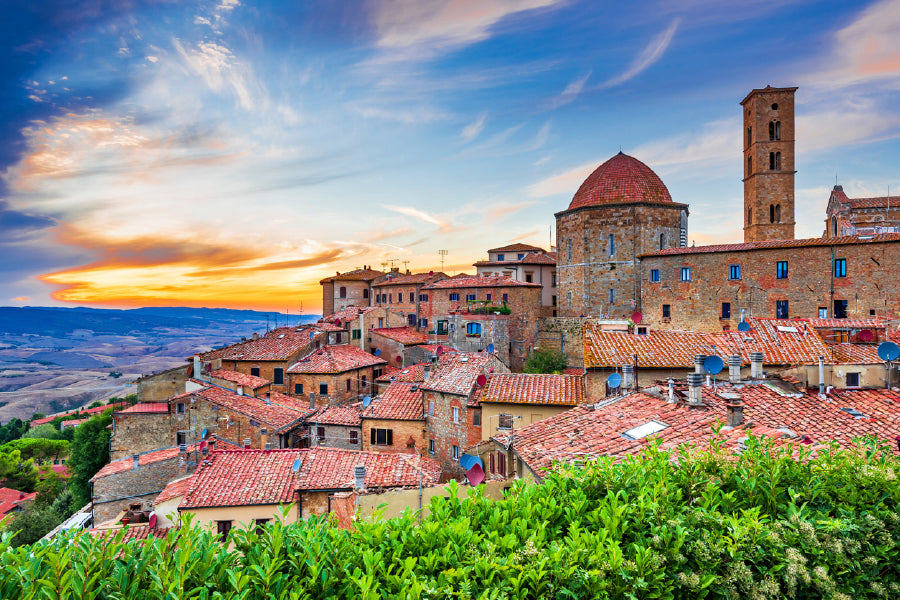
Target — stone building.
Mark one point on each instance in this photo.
(622, 210)
(527, 263)
(335, 427)
(392, 343)
(510, 401)
(861, 216)
(144, 427)
(404, 294)
(395, 420)
(353, 288)
(335, 375)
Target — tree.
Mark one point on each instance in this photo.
(47, 431)
(17, 473)
(47, 489)
(31, 524)
(40, 449)
(13, 430)
(88, 453)
(545, 361)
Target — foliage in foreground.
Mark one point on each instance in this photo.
(665, 525)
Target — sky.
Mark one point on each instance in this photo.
(232, 153)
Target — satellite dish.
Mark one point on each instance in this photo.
(637, 317)
(367, 401)
(203, 445)
(888, 351)
(743, 326)
(713, 364)
(400, 359)
(296, 466)
(480, 380)
(865, 335)
(439, 350)
(475, 475)
(203, 434)
(614, 380)
(490, 348)
(312, 334)
(430, 273)
(466, 462)
(152, 522)
(377, 351)
(337, 322)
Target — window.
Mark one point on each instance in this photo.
(411, 320)
(431, 408)
(423, 322)
(840, 309)
(642, 330)
(840, 267)
(726, 310)
(662, 241)
(642, 431)
(685, 273)
(473, 329)
(476, 418)
(775, 131)
(382, 437)
(278, 376)
(179, 408)
(320, 434)
(553, 279)
(343, 292)
(454, 297)
(492, 467)
(500, 257)
(455, 452)
(749, 165)
(749, 216)
(223, 527)
(778, 213)
(501, 463)
(487, 297)
(569, 244)
(348, 385)
(337, 338)
(363, 383)
(261, 525)
(504, 421)
(366, 293)
(521, 256)
(774, 161)
(505, 297)
(612, 296)
(180, 438)
(823, 312)
(529, 278)
(356, 334)
(423, 297)
(781, 309)
(612, 245)
(470, 297)
(553, 300)
(771, 213)
(749, 136)
(390, 298)
(775, 106)
(654, 275)
(431, 448)
(667, 311)
(323, 389)
(852, 380)
(298, 388)
(781, 269)
(455, 414)
(254, 371)
(734, 271)
(380, 322)
(442, 327)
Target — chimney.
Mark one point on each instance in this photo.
(268, 397)
(427, 371)
(628, 379)
(756, 365)
(698, 363)
(734, 368)
(198, 366)
(734, 412)
(312, 401)
(359, 477)
(671, 392)
(821, 374)
(134, 461)
(695, 386)
(240, 390)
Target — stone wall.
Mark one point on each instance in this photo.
(136, 433)
(446, 433)
(161, 386)
(564, 334)
(336, 436)
(361, 384)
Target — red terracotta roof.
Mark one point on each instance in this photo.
(521, 388)
(399, 402)
(147, 458)
(412, 279)
(332, 468)
(456, 372)
(405, 335)
(175, 489)
(280, 346)
(461, 276)
(348, 313)
(248, 381)
(492, 281)
(10, 499)
(132, 532)
(146, 407)
(853, 354)
(280, 412)
(85, 411)
(433, 347)
(336, 359)
(770, 244)
(621, 179)
(411, 374)
(71, 423)
(243, 478)
(577, 371)
(847, 323)
(356, 275)
(532, 258)
(348, 416)
(517, 248)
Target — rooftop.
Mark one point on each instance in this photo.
(175, 489)
(411, 279)
(411, 374)
(531, 258)
(348, 313)
(280, 345)
(521, 388)
(132, 532)
(874, 202)
(364, 274)
(280, 412)
(621, 179)
(516, 248)
(332, 468)
(248, 381)
(81, 411)
(777, 244)
(399, 402)
(492, 281)
(336, 359)
(146, 407)
(348, 416)
(147, 458)
(456, 372)
(405, 335)
(10, 499)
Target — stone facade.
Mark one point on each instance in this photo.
(334, 436)
(564, 334)
(136, 433)
(403, 293)
(402, 432)
(494, 330)
(598, 249)
(810, 288)
(273, 370)
(769, 164)
(862, 216)
(339, 388)
(161, 386)
(353, 288)
(444, 433)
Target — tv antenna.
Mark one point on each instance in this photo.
(389, 262)
(405, 264)
(443, 253)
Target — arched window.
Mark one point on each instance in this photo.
(777, 130)
(778, 213)
(771, 213)
(834, 226)
(343, 292)
(771, 161)
(749, 166)
(569, 249)
(749, 136)
(771, 131)
(749, 216)
(778, 161)
(662, 241)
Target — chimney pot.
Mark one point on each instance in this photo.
(734, 412)
(756, 365)
(695, 385)
(734, 369)
(359, 476)
(699, 359)
(628, 379)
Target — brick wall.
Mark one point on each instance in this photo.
(697, 304)
(403, 431)
(565, 334)
(227, 424)
(266, 369)
(446, 433)
(361, 383)
(135, 433)
(494, 330)
(358, 293)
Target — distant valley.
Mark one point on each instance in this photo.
(53, 359)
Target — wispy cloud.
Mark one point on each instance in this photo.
(571, 92)
(418, 214)
(473, 129)
(649, 55)
(407, 115)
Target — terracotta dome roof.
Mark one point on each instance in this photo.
(621, 179)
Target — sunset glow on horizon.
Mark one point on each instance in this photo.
(233, 153)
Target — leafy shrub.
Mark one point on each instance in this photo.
(545, 361)
(679, 524)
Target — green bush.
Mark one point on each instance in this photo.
(679, 524)
(545, 361)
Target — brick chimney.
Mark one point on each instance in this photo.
(734, 412)
(756, 365)
(734, 369)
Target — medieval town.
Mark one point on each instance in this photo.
(412, 380)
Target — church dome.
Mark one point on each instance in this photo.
(621, 179)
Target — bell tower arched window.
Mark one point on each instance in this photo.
(771, 213)
(662, 241)
(778, 213)
(749, 216)
(775, 131)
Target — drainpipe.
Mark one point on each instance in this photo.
(821, 374)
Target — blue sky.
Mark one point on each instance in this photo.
(232, 153)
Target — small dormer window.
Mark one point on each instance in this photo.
(642, 431)
(500, 257)
(521, 256)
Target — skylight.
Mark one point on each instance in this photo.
(642, 431)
